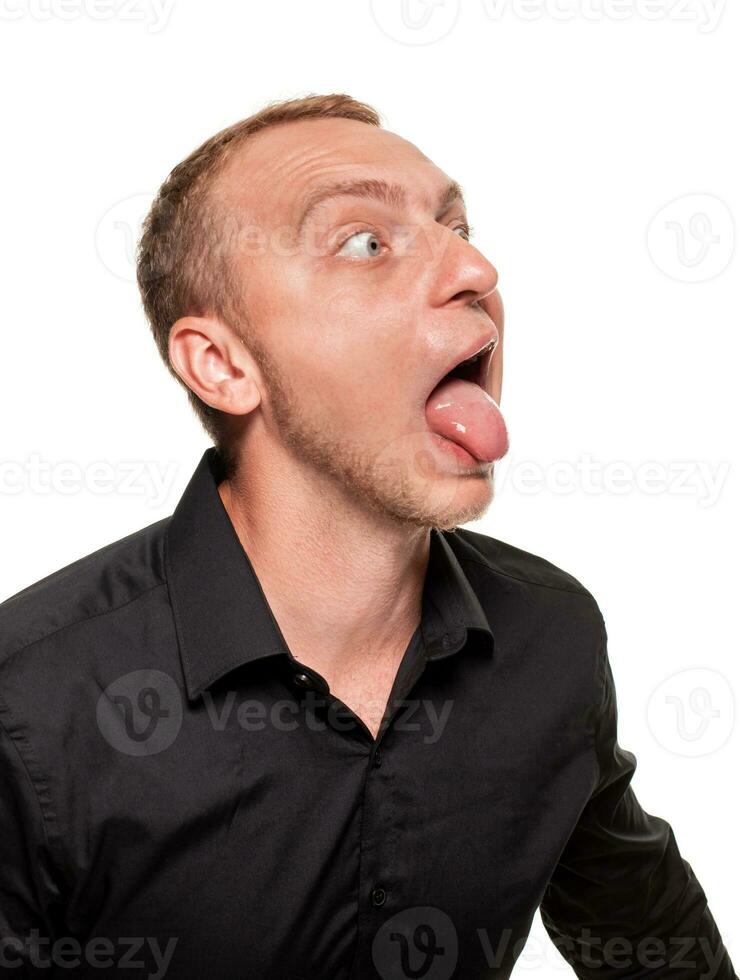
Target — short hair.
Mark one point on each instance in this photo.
(183, 259)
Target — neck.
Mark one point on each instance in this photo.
(344, 584)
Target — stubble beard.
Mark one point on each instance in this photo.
(373, 478)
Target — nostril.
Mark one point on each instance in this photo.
(466, 297)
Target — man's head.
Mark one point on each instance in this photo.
(309, 279)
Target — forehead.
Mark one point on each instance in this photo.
(274, 173)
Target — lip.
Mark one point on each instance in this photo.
(484, 365)
(461, 454)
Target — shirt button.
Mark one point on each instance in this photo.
(302, 680)
(377, 758)
(377, 897)
(446, 640)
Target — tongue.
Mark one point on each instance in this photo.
(463, 412)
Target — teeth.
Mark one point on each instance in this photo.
(481, 352)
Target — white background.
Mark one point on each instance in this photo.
(597, 143)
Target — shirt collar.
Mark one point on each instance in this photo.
(221, 615)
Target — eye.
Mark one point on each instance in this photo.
(466, 230)
(361, 245)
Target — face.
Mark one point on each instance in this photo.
(356, 307)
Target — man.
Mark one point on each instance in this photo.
(309, 726)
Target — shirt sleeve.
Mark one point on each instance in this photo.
(27, 888)
(622, 902)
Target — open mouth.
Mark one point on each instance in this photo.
(474, 368)
(461, 410)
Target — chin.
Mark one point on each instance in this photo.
(449, 501)
(474, 510)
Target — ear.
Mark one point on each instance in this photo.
(494, 307)
(214, 363)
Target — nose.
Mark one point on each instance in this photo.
(464, 275)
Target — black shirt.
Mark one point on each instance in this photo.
(181, 793)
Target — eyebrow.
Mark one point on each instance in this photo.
(394, 195)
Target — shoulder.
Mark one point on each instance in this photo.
(547, 625)
(533, 580)
(513, 563)
(94, 586)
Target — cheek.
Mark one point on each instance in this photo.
(343, 349)
(362, 341)
(351, 387)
